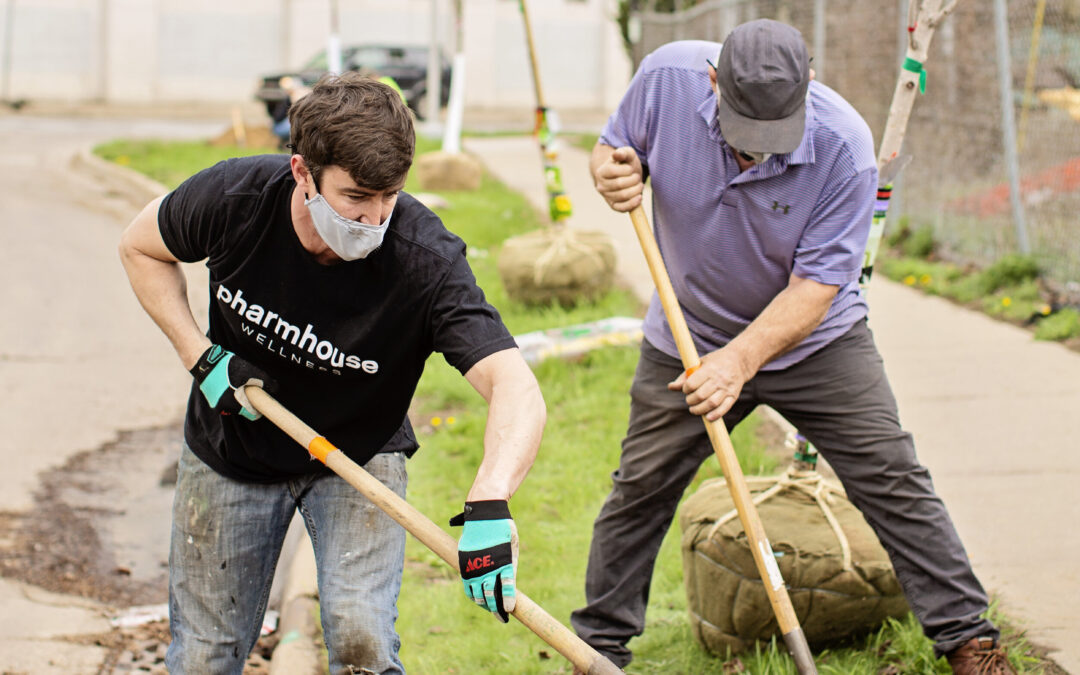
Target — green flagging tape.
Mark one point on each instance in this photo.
(915, 67)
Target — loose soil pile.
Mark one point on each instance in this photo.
(99, 529)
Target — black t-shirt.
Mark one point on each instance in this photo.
(346, 343)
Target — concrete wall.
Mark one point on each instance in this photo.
(160, 51)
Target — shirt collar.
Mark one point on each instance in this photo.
(804, 154)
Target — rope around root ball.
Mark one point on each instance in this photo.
(810, 483)
(563, 242)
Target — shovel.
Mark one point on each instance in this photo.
(584, 657)
(793, 634)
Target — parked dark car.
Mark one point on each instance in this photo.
(407, 65)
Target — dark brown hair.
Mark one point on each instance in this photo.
(357, 123)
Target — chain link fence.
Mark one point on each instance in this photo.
(958, 180)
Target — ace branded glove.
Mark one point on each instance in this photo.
(222, 376)
(487, 555)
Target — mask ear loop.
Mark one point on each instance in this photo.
(313, 180)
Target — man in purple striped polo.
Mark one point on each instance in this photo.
(763, 185)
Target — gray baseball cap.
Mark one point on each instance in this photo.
(763, 72)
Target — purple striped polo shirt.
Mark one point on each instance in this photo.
(730, 240)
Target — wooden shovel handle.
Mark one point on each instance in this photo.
(526, 611)
(793, 634)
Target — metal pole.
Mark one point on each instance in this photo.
(434, 71)
(819, 39)
(9, 34)
(102, 84)
(1008, 124)
(333, 43)
(286, 35)
(948, 60)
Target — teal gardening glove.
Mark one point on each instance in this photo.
(487, 555)
(222, 376)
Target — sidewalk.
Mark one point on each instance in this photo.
(993, 413)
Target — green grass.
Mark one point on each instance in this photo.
(170, 162)
(588, 403)
(1061, 326)
(583, 141)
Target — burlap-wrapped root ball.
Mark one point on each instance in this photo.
(557, 264)
(838, 576)
(448, 171)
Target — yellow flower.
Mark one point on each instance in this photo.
(451, 420)
(436, 421)
(925, 280)
(1006, 301)
(1045, 310)
(123, 160)
(909, 280)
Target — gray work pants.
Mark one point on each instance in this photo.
(840, 399)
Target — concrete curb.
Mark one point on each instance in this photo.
(128, 183)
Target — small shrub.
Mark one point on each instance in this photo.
(1014, 303)
(920, 244)
(899, 233)
(1009, 270)
(1060, 326)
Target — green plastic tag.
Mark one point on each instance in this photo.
(911, 65)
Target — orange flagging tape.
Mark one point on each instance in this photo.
(691, 370)
(319, 448)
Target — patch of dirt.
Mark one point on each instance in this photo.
(772, 437)
(142, 650)
(99, 529)
(255, 136)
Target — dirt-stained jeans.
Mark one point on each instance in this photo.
(840, 399)
(226, 538)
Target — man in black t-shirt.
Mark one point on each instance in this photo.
(329, 287)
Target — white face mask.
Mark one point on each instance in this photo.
(349, 239)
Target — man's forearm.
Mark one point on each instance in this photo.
(162, 291)
(511, 441)
(159, 284)
(515, 424)
(791, 316)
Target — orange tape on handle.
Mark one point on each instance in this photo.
(691, 370)
(319, 448)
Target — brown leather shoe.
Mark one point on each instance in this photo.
(980, 656)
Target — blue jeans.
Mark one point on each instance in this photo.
(226, 539)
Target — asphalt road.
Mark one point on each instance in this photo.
(79, 360)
